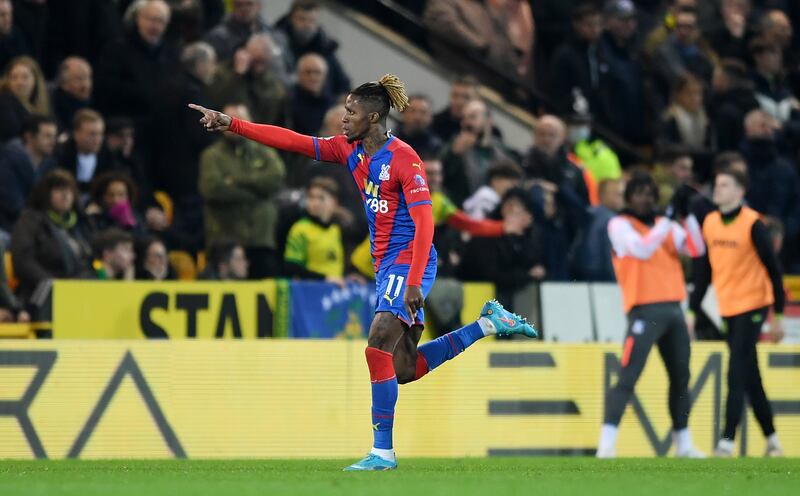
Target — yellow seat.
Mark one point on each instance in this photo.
(17, 331)
(11, 278)
(184, 265)
(166, 204)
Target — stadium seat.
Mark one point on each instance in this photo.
(184, 265)
(166, 204)
(11, 278)
(566, 312)
(607, 312)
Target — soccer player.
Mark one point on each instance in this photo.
(645, 251)
(742, 265)
(392, 182)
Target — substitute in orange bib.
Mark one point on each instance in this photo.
(744, 270)
(645, 249)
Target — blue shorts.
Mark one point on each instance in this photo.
(390, 284)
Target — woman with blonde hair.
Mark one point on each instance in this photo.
(22, 92)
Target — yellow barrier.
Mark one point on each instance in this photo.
(285, 398)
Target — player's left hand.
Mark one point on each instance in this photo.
(413, 300)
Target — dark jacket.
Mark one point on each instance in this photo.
(12, 115)
(622, 86)
(64, 108)
(12, 46)
(17, 177)
(774, 185)
(67, 158)
(577, 65)
(730, 109)
(424, 142)
(308, 110)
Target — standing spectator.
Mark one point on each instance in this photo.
(729, 37)
(623, 85)
(23, 162)
(314, 247)
(301, 27)
(733, 98)
(469, 154)
(84, 154)
(250, 79)
(130, 68)
(502, 176)
(12, 42)
(415, 126)
(49, 241)
(152, 260)
(22, 92)
(227, 261)
(658, 35)
(310, 101)
(113, 204)
(593, 261)
(772, 91)
(578, 65)
(685, 124)
(591, 151)
(774, 185)
(238, 180)
(239, 26)
(74, 90)
(447, 122)
(113, 248)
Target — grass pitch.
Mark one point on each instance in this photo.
(415, 477)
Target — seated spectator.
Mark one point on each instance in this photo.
(729, 37)
(771, 88)
(684, 53)
(10, 308)
(239, 180)
(227, 261)
(415, 126)
(502, 176)
(84, 155)
(22, 92)
(50, 241)
(466, 158)
(249, 78)
(113, 250)
(591, 151)
(12, 41)
(775, 28)
(74, 90)
(658, 35)
(593, 261)
(112, 204)
(733, 98)
(22, 163)
(774, 184)
(120, 140)
(310, 101)
(578, 66)
(244, 21)
(152, 260)
(314, 247)
(447, 122)
(685, 125)
(129, 70)
(302, 29)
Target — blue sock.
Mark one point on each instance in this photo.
(384, 396)
(446, 347)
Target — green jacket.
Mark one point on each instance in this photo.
(264, 94)
(238, 182)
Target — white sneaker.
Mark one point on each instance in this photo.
(773, 451)
(691, 452)
(724, 449)
(606, 453)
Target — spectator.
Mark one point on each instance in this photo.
(22, 92)
(733, 98)
(578, 65)
(776, 29)
(152, 261)
(239, 26)
(120, 140)
(227, 261)
(249, 79)
(49, 241)
(11, 309)
(309, 101)
(415, 126)
(729, 37)
(594, 154)
(12, 42)
(467, 157)
(593, 262)
(684, 53)
(114, 250)
(239, 180)
(774, 185)
(447, 122)
(772, 91)
(462, 31)
(658, 36)
(23, 162)
(502, 176)
(301, 27)
(672, 174)
(130, 68)
(112, 204)
(74, 91)
(685, 125)
(84, 154)
(622, 86)
(314, 247)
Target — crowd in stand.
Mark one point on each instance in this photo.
(105, 171)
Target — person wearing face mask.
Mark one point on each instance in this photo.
(301, 26)
(113, 203)
(594, 154)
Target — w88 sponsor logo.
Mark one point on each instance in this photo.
(378, 205)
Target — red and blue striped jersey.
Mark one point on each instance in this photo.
(390, 182)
